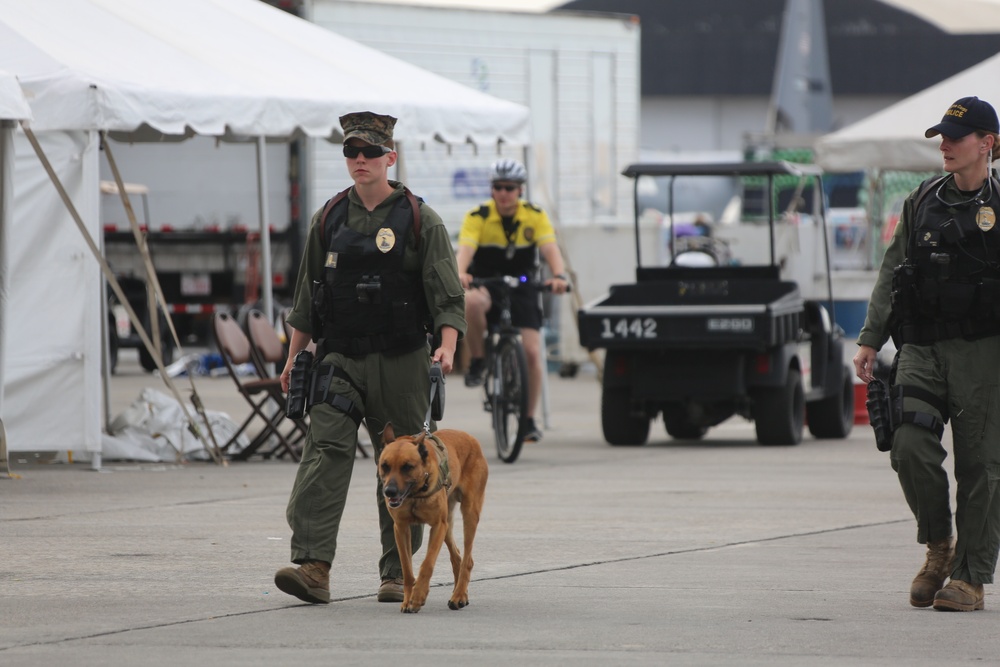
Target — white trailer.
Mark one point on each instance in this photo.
(579, 75)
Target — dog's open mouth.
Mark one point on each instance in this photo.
(397, 500)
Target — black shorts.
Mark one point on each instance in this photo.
(525, 307)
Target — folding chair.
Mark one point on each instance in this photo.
(266, 348)
(267, 353)
(234, 347)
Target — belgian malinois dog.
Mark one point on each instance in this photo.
(423, 477)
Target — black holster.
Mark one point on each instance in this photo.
(299, 386)
(880, 414)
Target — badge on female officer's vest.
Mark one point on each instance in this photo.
(986, 218)
(385, 239)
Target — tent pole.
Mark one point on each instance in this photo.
(401, 174)
(154, 292)
(6, 150)
(265, 231)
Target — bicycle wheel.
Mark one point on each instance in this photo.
(510, 398)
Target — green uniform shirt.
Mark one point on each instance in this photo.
(435, 260)
(875, 331)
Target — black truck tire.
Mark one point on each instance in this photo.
(833, 417)
(113, 344)
(779, 413)
(166, 352)
(619, 425)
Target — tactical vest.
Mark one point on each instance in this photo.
(370, 303)
(950, 284)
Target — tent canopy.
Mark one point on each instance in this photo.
(12, 104)
(955, 16)
(894, 137)
(225, 68)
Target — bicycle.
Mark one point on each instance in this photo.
(506, 381)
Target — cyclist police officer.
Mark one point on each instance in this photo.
(504, 237)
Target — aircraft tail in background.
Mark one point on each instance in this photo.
(801, 99)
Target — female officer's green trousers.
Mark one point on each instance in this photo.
(967, 375)
(396, 389)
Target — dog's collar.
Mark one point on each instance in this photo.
(444, 472)
(424, 491)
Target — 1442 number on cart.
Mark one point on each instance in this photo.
(626, 327)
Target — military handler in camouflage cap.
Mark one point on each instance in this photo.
(378, 275)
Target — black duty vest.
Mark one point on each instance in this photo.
(954, 270)
(372, 304)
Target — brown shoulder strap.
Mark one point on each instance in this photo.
(415, 206)
(329, 207)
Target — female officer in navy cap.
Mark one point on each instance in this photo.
(938, 295)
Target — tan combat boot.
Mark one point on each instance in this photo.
(932, 575)
(391, 590)
(309, 582)
(959, 596)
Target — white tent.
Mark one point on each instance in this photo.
(122, 64)
(12, 108)
(956, 16)
(894, 137)
(159, 69)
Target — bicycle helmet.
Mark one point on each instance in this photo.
(508, 170)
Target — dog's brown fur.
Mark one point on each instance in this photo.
(411, 474)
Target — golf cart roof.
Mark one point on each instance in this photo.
(721, 169)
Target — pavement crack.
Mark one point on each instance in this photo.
(677, 552)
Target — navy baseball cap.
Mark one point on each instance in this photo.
(964, 117)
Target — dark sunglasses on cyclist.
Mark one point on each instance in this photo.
(505, 187)
(370, 152)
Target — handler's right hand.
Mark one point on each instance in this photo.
(864, 363)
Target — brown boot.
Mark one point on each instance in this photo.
(309, 582)
(959, 596)
(932, 575)
(391, 590)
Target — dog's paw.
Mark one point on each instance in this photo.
(406, 609)
(458, 604)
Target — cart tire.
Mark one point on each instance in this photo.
(619, 425)
(833, 417)
(779, 413)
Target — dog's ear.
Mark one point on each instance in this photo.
(422, 450)
(388, 435)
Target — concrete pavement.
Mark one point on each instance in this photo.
(708, 553)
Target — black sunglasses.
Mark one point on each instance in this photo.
(370, 152)
(505, 188)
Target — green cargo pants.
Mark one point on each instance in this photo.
(396, 389)
(967, 375)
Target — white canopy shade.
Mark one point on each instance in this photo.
(225, 67)
(12, 104)
(160, 70)
(955, 16)
(894, 137)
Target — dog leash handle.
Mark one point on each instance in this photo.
(435, 407)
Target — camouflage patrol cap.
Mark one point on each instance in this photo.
(371, 127)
